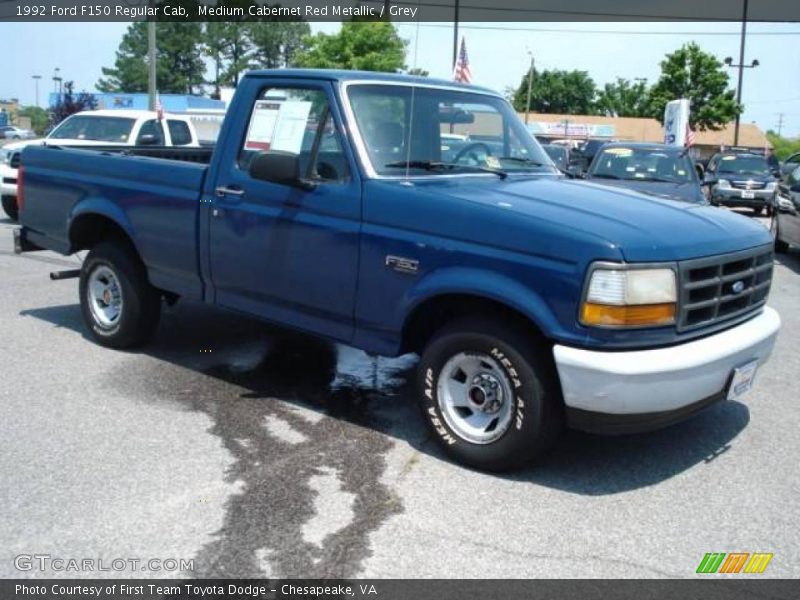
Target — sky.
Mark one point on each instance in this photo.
(498, 54)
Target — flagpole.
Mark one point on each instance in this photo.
(455, 36)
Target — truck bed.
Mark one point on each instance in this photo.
(153, 192)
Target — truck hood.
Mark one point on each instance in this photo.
(644, 228)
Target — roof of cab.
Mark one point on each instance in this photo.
(341, 75)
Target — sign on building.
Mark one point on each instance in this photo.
(676, 122)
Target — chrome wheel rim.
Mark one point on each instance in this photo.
(475, 397)
(104, 296)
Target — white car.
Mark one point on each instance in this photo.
(98, 128)
(9, 132)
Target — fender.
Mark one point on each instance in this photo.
(483, 283)
(97, 205)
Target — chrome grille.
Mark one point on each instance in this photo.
(14, 160)
(749, 185)
(721, 288)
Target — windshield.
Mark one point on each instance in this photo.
(640, 164)
(94, 128)
(409, 129)
(743, 165)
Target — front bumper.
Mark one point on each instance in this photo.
(736, 197)
(621, 392)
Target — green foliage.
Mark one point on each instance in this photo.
(38, 117)
(691, 73)
(179, 62)
(624, 99)
(360, 45)
(558, 92)
(783, 147)
(69, 103)
(417, 72)
(275, 43)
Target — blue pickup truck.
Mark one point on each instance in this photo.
(535, 301)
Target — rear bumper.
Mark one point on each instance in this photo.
(8, 181)
(735, 197)
(619, 392)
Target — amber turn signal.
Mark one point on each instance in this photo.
(643, 315)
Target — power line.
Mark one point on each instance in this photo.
(604, 31)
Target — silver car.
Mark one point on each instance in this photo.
(9, 132)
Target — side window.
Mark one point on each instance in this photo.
(794, 159)
(151, 128)
(179, 132)
(298, 121)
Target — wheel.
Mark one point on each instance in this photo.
(120, 307)
(10, 207)
(781, 247)
(489, 394)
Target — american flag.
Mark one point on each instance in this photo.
(159, 107)
(461, 70)
(689, 136)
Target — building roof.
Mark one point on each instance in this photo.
(650, 130)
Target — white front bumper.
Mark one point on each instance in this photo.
(664, 379)
(7, 189)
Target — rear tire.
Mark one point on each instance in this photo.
(10, 207)
(120, 307)
(489, 394)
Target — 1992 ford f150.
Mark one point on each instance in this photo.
(402, 214)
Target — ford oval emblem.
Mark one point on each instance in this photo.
(738, 287)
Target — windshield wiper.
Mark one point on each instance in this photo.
(536, 163)
(432, 165)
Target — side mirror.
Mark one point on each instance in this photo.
(279, 167)
(147, 139)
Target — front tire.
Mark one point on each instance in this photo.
(781, 247)
(489, 394)
(120, 307)
(10, 207)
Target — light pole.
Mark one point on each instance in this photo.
(57, 81)
(530, 86)
(151, 65)
(36, 79)
(741, 66)
(455, 35)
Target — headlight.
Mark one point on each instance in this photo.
(771, 187)
(784, 203)
(626, 297)
(723, 184)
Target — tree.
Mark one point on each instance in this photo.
(560, 92)
(417, 72)
(783, 147)
(179, 67)
(275, 43)
(69, 104)
(624, 99)
(691, 73)
(362, 45)
(229, 47)
(38, 117)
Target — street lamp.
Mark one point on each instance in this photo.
(57, 82)
(36, 79)
(729, 62)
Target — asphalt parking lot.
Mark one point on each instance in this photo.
(256, 453)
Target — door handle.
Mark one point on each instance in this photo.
(223, 191)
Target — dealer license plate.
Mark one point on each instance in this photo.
(742, 380)
(748, 195)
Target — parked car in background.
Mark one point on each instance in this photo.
(559, 154)
(583, 155)
(655, 169)
(741, 180)
(786, 224)
(789, 165)
(9, 132)
(97, 128)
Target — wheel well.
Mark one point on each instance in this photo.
(434, 313)
(89, 230)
